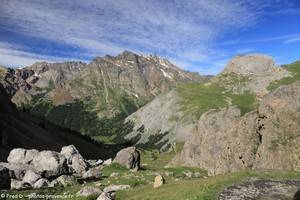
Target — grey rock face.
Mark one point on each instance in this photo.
(69, 152)
(79, 165)
(31, 177)
(261, 189)
(129, 158)
(89, 191)
(22, 156)
(266, 139)
(4, 178)
(50, 164)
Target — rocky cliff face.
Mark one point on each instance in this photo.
(263, 139)
(92, 98)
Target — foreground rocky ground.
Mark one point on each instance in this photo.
(154, 180)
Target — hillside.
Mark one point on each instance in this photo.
(93, 98)
(18, 129)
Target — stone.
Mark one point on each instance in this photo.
(107, 162)
(129, 158)
(16, 171)
(41, 183)
(31, 177)
(22, 156)
(89, 191)
(158, 181)
(79, 165)
(4, 178)
(50, 164)
(95, 163)
(64, 180)
(107, 196)
(17, 185)
(261, 189)
(93, 173)
(69, 152)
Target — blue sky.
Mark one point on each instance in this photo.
(197, 35)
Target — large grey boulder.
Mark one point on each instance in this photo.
(89, 191)
(22, 156)
(4, 178)
(129, 158)
(50, 164)
(69, 152)
(79, 165)
(31, 177)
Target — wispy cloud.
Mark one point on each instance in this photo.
(13, 56)
(177, 29)
(292, 40)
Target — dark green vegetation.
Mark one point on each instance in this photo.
(294, 68)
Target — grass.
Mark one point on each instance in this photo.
(198, 189)
(198, 98)
(294, 68)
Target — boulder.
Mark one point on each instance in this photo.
(158, 181)
(41, 183)
(4, 178)
(89, 191)
(107, 162)
(129, 158)
(69, 152)
(107, 196)
(93, 173)
(17, 185)
(31, 177)
(22, 156)
(79, 165)
(16, 171)
(64, 180)
(50, 164)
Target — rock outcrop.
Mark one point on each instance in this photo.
(129, 158)
(263, 139)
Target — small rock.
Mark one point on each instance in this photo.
(107, 196)
(31, 177)
(95, 163)
(69, 152)
(64, 180)
(78, 164)
(41, 183)
(158, 181)
(129, 158)
(114, 174)
(107, 162)
(89, 191)
(22, 156)
(93, 173)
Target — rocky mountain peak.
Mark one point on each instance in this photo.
(253, 64)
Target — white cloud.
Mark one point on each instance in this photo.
(172, 28)
(292, 40)
(13, 56)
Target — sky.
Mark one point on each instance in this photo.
(196, 35)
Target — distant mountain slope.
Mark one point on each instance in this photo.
(93, 98)
(19, 129)
(174, 116)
